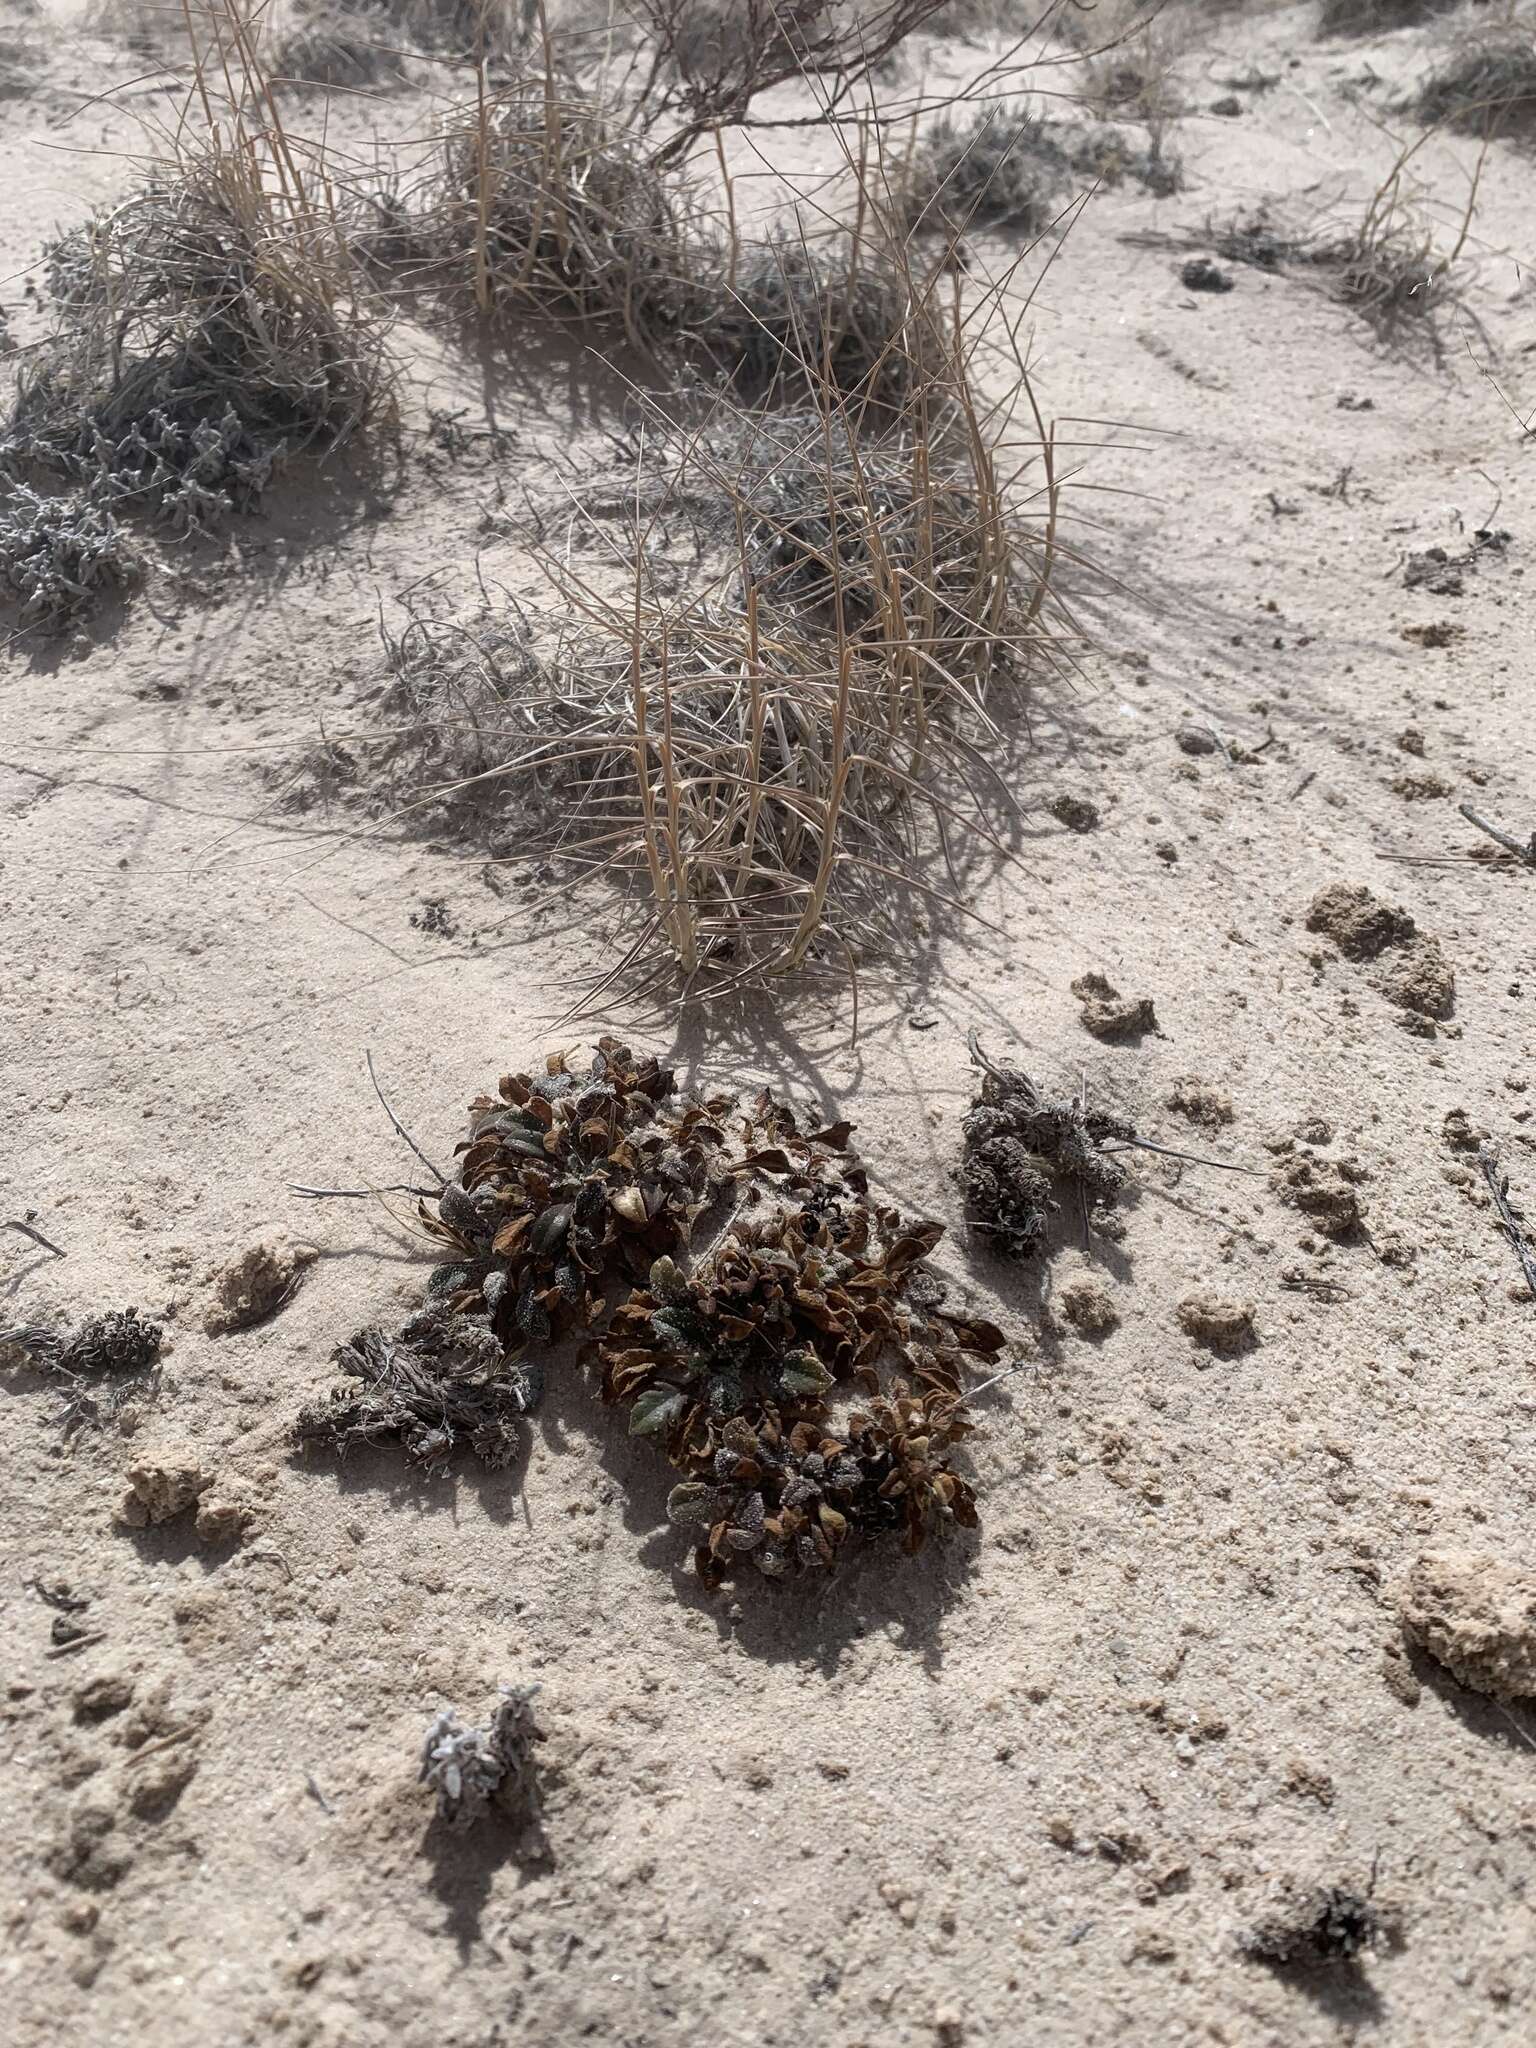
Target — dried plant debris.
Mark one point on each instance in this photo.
(1511, 1219)
(104, 1363)
(1317, 1927)
(1107, 1013)
(442, 1382)
(477, 1771)
(58, 555)
(1023, 1146)
(803, 1375)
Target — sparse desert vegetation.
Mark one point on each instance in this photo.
(767, 819)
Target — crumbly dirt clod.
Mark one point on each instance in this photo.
(1089, 1308)
(1200, 1101)
(1358, 923)
(1107, 1013)
(1075, 812)
(1317, 1927)
(162, 1484)
(1421, 979)
(1422, 788)
(258, 1281)
(1475, 1614)
(1322, 1191)
(1460, 1134)
(1215, 1319)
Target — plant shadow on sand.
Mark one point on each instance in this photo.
(1511, 1727)
(465, 1864)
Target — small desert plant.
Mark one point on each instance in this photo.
(476, 1771)
(1487, 88)
(203, 331)
(795, 1375)
(58, 553)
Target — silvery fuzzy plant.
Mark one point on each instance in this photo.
(473, 1770)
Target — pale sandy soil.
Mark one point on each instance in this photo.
(1031, 1787)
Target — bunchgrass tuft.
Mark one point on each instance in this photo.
(1487, 88)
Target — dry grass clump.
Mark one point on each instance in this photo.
(771, 756)
(203, 334)
(785, 315)
(1377, 17)
(1389, 268)
(545, 205)
(1487, 88)
(1007, 167)
(995, 168)
(349, 43)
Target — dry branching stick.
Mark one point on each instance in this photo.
(1524, 852)
(1498, 1187)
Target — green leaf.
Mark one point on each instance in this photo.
(667, 1283)
(692, 1502)
(803, 1373)
(655, 1411)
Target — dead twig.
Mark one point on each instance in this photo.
(400, 1130)
(37, 1237)
(1193, 1158)
(1525, 853)
(1509, 1223)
